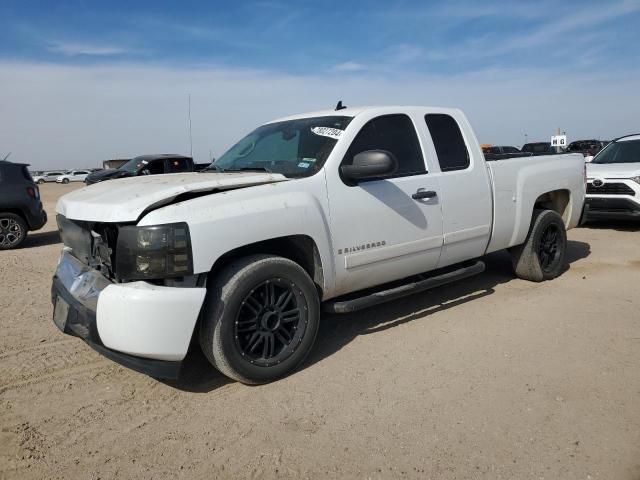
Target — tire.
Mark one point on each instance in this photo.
(13, 231)
(40, 182)
(250, 330)
(65, 180)
(543, 254)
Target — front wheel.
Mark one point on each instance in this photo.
(260, 318)
(65, 180)
(543, 254)
(40, 182)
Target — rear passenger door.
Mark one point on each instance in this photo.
(380, 232)
(466, 190)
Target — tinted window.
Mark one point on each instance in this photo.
(495, 150)
(447, 138)
(395, 134)
(511, 150)
(626, 151)
(179, 165)
(152, 168)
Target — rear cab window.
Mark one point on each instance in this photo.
(448, 141)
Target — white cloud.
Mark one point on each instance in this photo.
(56, 116)
(349, 67)
(74, 49)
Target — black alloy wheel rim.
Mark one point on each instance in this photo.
(271, 322)
(10, 232)
(549, 250)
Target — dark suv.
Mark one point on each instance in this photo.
(146, 165)
(539, 148)
(588, 148)
(20, 205)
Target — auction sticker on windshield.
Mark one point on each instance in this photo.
(327, 132)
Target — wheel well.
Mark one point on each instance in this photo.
(558, 201)
(297, 248)
(15, 211)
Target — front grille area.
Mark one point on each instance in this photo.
(91, 243)
(610, 189)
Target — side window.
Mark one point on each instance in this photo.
(395, 134)
(154, 167)
(178, 165)
(447, 138)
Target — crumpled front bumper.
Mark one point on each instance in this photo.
(145, 327)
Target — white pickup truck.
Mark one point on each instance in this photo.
(340, 209)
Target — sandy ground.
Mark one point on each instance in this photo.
(490, 378)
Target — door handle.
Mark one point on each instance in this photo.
(422, 193)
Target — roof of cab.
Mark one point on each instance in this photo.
(353, 111)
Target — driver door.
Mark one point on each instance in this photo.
(380, 231)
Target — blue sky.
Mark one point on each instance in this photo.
(540, 63)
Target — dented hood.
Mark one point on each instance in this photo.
(124, 200)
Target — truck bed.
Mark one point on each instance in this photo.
(518, 183)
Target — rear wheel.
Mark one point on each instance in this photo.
(40, 182)
(13, 231)
(260, 319)
(543, 254)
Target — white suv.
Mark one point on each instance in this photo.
(73, 176)
(613, 176)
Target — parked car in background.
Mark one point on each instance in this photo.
(325, 208)
(539, 148)
(147, 165)
(587, 148)
(48, 176)
(20, 206)
(73, 176)
(498, 152)
(613, 180)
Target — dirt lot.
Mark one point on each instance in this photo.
(490, 378)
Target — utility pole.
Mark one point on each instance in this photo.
(190, 137)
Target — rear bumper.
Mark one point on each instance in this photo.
(36, 217)
(612, 207)
(141, 326)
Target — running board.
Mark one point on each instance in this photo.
(347, 306)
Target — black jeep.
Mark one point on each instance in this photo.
(20, 206)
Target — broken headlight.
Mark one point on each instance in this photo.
(154, 252)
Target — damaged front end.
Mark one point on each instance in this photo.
(99, 294)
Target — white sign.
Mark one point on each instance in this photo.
(327, 132)
(559, 141)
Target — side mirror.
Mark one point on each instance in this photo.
(588, 158)
(370, 164)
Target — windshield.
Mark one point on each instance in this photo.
(625, 151)
(294, 148)
(131, 165)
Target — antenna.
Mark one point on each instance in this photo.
(190, 137)
(339, 106)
